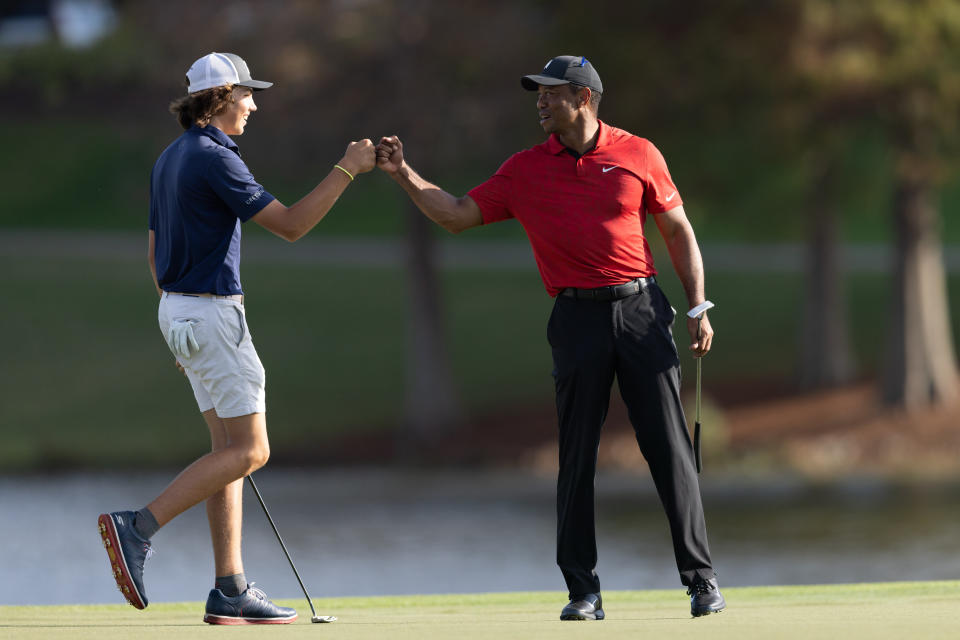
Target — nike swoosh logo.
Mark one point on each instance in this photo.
(670, 197)
(605, 169)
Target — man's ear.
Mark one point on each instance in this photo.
(585, 94)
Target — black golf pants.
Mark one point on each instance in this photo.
(631, 339)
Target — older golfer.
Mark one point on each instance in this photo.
(200, 193)
(582, 197)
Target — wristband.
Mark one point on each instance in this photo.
(349, 175)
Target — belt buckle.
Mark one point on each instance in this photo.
(628, 289)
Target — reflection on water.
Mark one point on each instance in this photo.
(377, 532)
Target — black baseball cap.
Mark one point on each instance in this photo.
(565, 70)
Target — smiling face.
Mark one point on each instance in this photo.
(558, 106)
(233, 119)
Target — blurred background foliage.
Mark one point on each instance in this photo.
(715, 85)
(787, 125)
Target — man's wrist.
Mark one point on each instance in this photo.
(346, 168)
(402, 174)
(345, 172)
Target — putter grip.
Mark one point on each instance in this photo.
(696, 445)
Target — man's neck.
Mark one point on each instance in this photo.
(582, 136)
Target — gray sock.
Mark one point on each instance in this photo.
(231, 586)
(145, 524)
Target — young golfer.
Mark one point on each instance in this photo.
(583, 197)
(200, 193)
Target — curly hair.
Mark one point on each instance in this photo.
(198, 108)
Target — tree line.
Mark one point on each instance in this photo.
(805, 76)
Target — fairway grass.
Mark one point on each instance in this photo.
(882, 610)
(336, 356)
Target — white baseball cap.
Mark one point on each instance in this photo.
(219, 69)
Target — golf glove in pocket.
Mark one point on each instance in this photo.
(180, 338)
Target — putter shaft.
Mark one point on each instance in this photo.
(266, 511)
(699, 369)
(696, 426)
(697, 312)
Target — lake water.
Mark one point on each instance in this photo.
(392, 532)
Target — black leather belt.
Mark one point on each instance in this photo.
(613, 292)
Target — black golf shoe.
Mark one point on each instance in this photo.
(705, 597)
(127, 552)
(250, 607)
(585, 607)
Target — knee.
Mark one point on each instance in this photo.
(259, 456)
(255, 456)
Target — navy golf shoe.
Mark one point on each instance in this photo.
(250, 607)
(585, 607)
(705, 597)
(127, 552)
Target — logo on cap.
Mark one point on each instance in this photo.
(575, 70)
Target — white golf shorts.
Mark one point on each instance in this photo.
(225, 373)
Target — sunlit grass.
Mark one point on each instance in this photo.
(859, 611)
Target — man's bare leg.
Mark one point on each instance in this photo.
(225, 509)
(246, 450)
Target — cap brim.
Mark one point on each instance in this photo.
(530, 83)
(257, 85)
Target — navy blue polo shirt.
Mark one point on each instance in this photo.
(200, 192)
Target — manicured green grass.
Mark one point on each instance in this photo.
(853, 612)
(86, 378)
(98, 179)
(101, 181)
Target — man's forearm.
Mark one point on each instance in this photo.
(443, 208)
(294, 222)
(306, 213)
(688, 263)
(152, 260)
(156, 285)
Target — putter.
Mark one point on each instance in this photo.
(697, 312)
(314, 616)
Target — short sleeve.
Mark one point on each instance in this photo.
(230, 178)
(493, 196)
(659, 193)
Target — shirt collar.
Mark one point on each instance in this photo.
(554, 146)
(217, 136)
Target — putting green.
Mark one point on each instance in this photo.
(868, 611)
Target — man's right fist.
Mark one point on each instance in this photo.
(390, 154)
(361, 156)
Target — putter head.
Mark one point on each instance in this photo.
(700, 309)
(323, 618)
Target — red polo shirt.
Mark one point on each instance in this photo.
(584, 216)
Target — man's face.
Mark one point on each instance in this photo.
(234, 119)
(557, 106)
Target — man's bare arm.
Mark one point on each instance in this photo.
(294, 222)
(450, 212)
(152, 260)
(684, 252)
